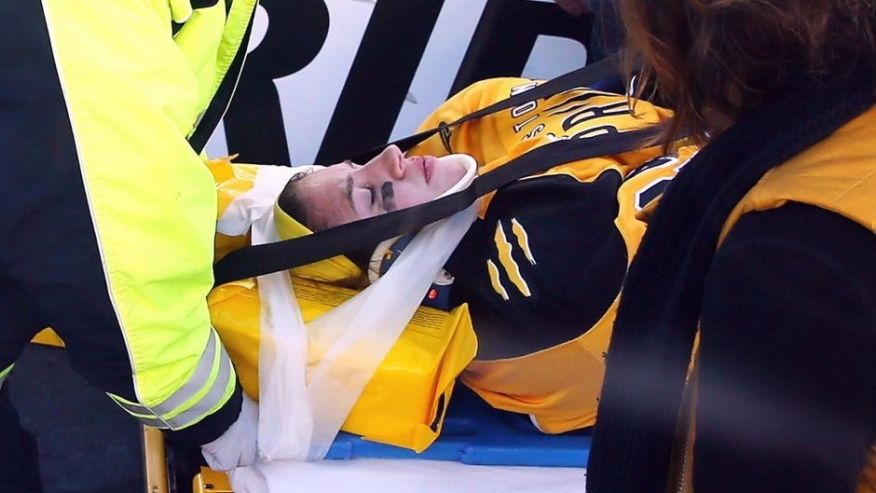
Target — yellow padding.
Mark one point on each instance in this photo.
(210, 481)
(154, 461)
(405, 400)
(338, 269)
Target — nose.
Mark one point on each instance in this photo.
(391, 161)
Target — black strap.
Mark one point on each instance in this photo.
(264, 259)
(582, 77)
(272, 257)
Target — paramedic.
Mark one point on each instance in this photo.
(762, 250)
(542, 267)
(96, 95)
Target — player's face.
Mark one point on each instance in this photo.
(346, 192)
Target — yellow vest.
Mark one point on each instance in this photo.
(838, 175)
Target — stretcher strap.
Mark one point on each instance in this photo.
(272, 257)
(581, 77)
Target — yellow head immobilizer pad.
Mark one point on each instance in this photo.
(337, 269)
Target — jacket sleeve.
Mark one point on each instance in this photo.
(786, 372)
(124, 208)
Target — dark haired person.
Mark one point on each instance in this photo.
(762, 250)
(542, 267)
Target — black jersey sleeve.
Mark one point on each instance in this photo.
(788, 345)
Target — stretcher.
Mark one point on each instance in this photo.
(479, 446)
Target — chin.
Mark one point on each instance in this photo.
(445, 183)
(450, 173)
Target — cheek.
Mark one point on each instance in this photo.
(361, 202)
(411, 195)
(445, 177)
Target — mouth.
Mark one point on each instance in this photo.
(428, 167)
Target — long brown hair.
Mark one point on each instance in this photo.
(713, 61)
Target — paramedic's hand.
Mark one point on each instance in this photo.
(237, 446)
(574, 7)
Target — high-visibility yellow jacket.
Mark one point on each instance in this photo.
(102, 98)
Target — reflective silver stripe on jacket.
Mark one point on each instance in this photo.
(156, 416)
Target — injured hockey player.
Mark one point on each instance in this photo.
(522, 310)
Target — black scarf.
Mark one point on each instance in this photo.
(662, 295)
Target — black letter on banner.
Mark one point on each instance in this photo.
(506, 34)
(254, 122)
(380, 77)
